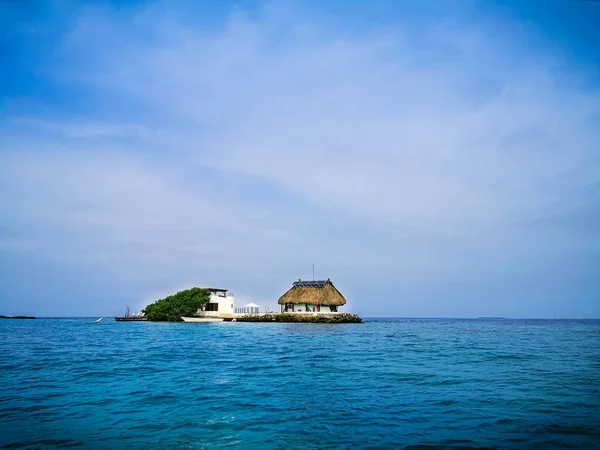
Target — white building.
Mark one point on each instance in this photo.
(221, 302)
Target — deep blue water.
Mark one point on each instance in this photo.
(385, 383)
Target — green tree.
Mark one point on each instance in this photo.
(172, 308)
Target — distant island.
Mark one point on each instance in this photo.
(17, 317)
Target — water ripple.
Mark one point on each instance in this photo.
(387, 383)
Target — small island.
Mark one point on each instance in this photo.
(315, 301)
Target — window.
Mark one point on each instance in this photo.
(212, 307)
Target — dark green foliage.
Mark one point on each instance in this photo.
(182, 304)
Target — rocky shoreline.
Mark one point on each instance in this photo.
(299, 318)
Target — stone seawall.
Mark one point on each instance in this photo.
(299, 318)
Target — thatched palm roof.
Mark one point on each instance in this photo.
(314, 293)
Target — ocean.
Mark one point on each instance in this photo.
(387, 383)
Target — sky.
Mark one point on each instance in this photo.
(433, 159)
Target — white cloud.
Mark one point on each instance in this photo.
(369, 125)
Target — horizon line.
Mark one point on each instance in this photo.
(366, 317)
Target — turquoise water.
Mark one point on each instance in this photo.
(385, 383)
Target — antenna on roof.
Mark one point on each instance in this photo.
(313, 272)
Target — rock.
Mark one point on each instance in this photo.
(301, 318)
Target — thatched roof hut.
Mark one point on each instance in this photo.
(321, 292)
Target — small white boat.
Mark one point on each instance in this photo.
(201, 319)
(99, 320)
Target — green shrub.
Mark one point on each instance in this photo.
(172, 308)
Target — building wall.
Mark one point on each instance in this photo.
(301, 308)
(226, 305)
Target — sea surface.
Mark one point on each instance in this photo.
(387, 383)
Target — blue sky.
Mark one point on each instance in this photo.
(434, 159)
